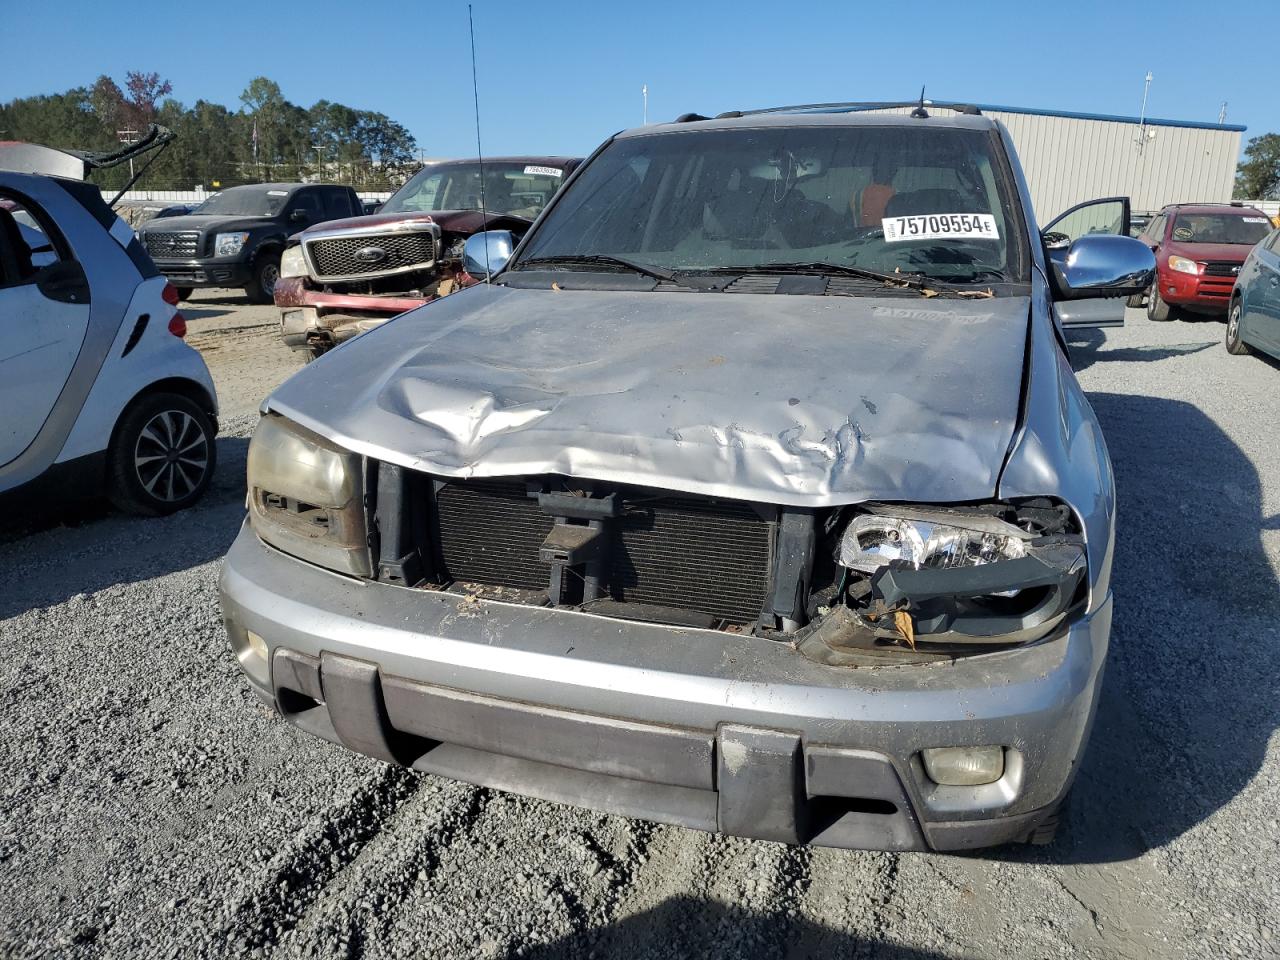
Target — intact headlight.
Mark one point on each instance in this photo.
(292, 263)
(306, 496)
(1183, 265)
(229, 244)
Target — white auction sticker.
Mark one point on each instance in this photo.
(1255, 219)
(543, 171)
(939, 226)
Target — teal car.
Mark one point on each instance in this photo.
(1253, 322)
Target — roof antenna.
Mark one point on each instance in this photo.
(475, 91)
(920, 113)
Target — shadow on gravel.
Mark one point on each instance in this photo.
(1086, 350)
(684, 927)
(1187, 704)
(49, 553)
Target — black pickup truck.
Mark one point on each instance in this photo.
(235, 238)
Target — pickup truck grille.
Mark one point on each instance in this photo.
(669, 550)
(1221, 268)
(370, 255)
(164, 245)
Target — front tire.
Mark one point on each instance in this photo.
(1235, 345)
(1157, 309)
(162, 456)
(184, 293)
(266, 271)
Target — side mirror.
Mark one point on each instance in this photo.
(484, 254)
(299, 216)
(1102, 265)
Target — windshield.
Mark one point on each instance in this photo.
(518, 190)
(244, 202)
(1220, 228)
(921, 200)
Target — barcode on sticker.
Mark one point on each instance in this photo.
(543, 171)
(939, 226)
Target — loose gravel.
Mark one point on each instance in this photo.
(150, 807)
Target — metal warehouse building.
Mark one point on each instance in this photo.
(1070, 157)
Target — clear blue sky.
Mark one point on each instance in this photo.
(559, 77)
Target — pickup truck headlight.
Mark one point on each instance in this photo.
(292, 263)
(306, 497)
(1183, 265)
(968, 575)
(229, 244)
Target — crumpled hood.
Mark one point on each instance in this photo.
(800, 400)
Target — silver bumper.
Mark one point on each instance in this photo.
(695, 727)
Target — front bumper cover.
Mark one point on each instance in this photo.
(205, 273)
(701, 728)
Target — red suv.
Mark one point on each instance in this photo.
(1199, 249)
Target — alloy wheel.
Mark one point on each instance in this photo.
(171, 456)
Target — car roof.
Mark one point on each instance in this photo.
(821, 117)
(1215, 208)
(538, 161)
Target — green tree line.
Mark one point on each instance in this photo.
(266, 138)
(1258, 175)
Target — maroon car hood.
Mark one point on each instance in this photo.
(456, 221)
(1231, 252)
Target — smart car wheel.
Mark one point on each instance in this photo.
(1157, 309)
(162, 457)
(1234, 344)
(266, 271)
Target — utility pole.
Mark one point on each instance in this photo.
(128, 137)
(644, 92)
(1142, 120)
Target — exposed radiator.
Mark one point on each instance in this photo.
(710, 556)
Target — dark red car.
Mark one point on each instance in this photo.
(344, 277)
(1199, 250)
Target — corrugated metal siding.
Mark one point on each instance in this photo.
(1068, 160)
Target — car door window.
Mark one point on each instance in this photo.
(1155, 232)
(308, 202)
(25, 246)
(336, 204)
(1110, 215)
(1274, 243)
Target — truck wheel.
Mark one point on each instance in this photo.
(1234, 344)
(266, 271)
(184, 293)
(162, 456)
(1157, 309)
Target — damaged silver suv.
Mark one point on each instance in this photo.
(754, 492)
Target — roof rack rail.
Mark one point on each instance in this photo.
(965, 108)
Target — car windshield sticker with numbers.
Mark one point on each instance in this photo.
(938, 226)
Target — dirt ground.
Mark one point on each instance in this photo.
(149, 807)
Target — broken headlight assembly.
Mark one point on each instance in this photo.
(937, 577)
(306, 497)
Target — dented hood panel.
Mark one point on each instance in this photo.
(799, 400)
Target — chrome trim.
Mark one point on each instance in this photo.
(408, 226)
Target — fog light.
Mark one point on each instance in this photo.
(964, 766)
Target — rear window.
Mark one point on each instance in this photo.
(1220, 228)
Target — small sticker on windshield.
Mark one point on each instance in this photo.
(1183, 233)
(543, 171)
(277, 193)
(1255, 219)
(939, 226)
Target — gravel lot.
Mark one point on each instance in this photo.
(149, 807)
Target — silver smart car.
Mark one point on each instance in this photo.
(753, 493)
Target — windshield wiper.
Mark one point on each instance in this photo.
(601, 259)
(914, 280)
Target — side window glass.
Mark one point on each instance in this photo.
(1274, 244)
(308, 201)
(336, 204)
(1105, 217)
(25, 247)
